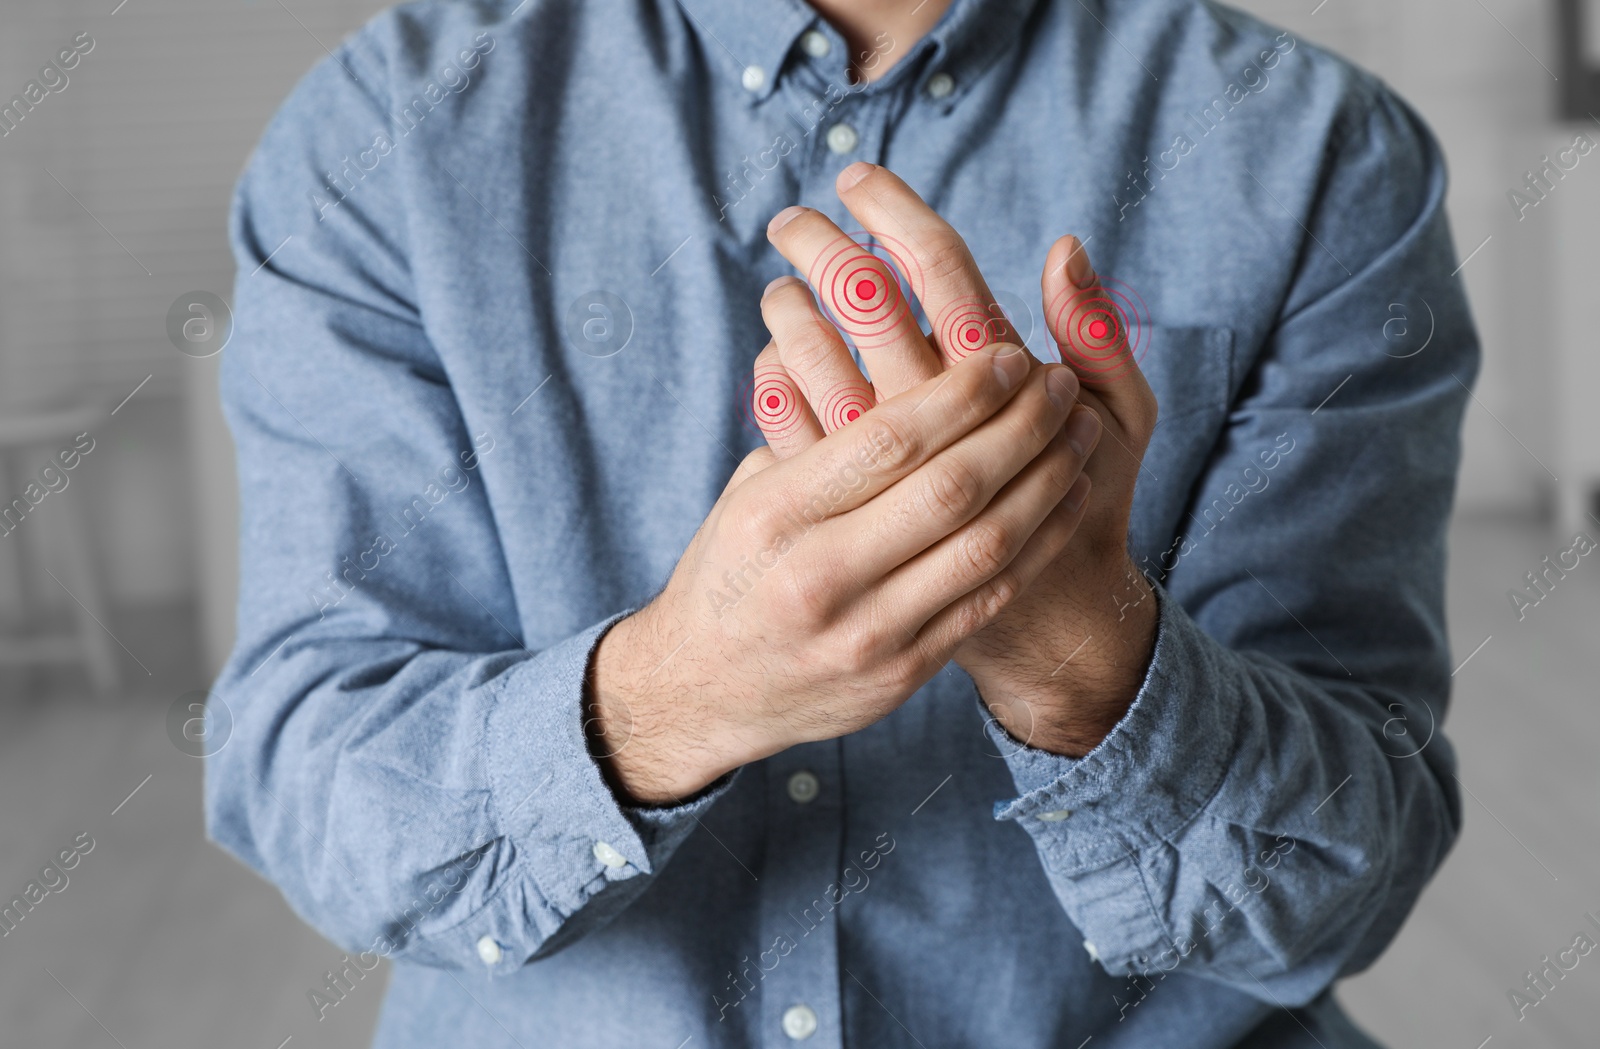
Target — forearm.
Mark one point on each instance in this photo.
(1242, 818)
(319, 775)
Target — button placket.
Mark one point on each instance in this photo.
(815, 108)
(798, 932)
(799, 1022)
(803, 786)
(842, 138)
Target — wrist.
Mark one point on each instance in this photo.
(1067, 704)
(652, 746)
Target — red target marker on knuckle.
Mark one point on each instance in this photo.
(845, 405)
(1100, 332)
(775, 404)
(864, 285)
(968, 325)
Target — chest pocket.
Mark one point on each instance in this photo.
(1191, 371)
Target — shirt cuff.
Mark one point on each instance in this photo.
(572, 838)
(1092, 817)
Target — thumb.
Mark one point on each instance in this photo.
(1098, 335)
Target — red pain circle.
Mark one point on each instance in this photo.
(845, 405)
(863, 283)
(968, 325)
(1100, 331)
(776, 405)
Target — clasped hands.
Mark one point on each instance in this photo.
(969, 503)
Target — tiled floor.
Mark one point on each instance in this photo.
(161, 940)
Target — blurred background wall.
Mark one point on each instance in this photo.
(113, 198)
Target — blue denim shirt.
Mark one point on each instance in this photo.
(499, 267)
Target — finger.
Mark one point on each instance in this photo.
(956, 486)
(980, 562)
(944, 632)
(748, 467)
(960, 307)
(848, 468)
(1093, 331)
(811, 352)
(863, 294)
(779, 409)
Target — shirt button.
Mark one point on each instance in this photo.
(815, 44)
(1094, 952)
(842, 138)
(606, 854)
(1056, 816)
(488, 951)
(940, 85)
(754, 78)
(799, 1022)
(803, 787)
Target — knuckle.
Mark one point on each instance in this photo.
(751, 465)
(983, 550)
(809, 348)
(799, 599)
(950, 492)
(761, 518)
(887, 445)
(945, 256)
(991, 599)
(864, 655)
(1061, 467)
(1038, 418)
(900, 671)
(758, 459)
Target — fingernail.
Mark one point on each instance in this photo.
(1082, 430)
(784, 217)
(852, 175)
(1061, 386)
(1078, 268)
(1010, 366)
(778, 283)
(1077, 493)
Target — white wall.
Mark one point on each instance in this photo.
(149, 135)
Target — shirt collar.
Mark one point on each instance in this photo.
(741, 34)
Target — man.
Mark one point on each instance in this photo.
(629, 683)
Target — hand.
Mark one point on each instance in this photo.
(1091, 608)
(822, 591)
